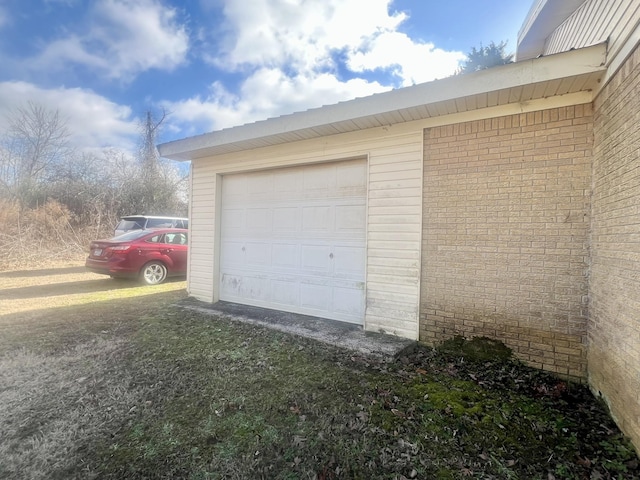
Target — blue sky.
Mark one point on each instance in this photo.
(212, 64)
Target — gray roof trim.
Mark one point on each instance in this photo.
(568, 72)
(544, 17)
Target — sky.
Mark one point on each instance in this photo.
(214, 64)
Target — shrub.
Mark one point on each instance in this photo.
(44, 235)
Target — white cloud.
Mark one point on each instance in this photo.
(300, 33)
(289, 51)
(286, 56)
(306, 35)
(121, 38)
(412, 61)
(93, 121)
(266, 93)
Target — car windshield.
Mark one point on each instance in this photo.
(133, 235)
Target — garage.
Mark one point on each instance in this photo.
(294, 239)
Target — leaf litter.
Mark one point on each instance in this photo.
(308, 410)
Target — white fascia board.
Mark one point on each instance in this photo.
(563, 65)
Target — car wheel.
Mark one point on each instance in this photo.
(153, 273)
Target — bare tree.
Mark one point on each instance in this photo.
(37, 165)
(35, 143)
(160, 182)
(149, 163)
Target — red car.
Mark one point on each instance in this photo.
(151, 255)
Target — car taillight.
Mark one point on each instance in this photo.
(119, 249)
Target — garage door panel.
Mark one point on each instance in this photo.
(316, 258)
(257, 254)
(318, 178)
(349, 261)
(259, 184)
(350, 218)
(235, 185)
(258, 219)
(285, 293)
(351, 175)
(255, 287)
(285, 256)
(233, 220)
(315, 297)
(285, 219)
(349, 301)
(294, 239)
(317, 218)
(230, 284)
(245, 286)
(234, 254)
(287, 182)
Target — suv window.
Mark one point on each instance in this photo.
(159, 223)
(127, 225)
(139, 222)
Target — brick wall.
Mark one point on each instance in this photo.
(505, 234)
(614, 327)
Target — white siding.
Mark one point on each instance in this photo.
(394, 216)
(595, 22)
(201, 229)
(394, 236)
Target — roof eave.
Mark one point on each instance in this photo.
(395, 106)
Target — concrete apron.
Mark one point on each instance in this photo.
(340, 334)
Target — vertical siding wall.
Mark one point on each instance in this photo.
(505, 234)
(393, 237)
(596, 21)
(614, 327)
(202, 229)
(393, 216)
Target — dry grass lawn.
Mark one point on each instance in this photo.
(62, 330)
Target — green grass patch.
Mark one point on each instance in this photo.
(229, 400)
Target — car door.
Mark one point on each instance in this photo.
(151, 248)
(176, 249)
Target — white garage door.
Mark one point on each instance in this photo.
(293, 239)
